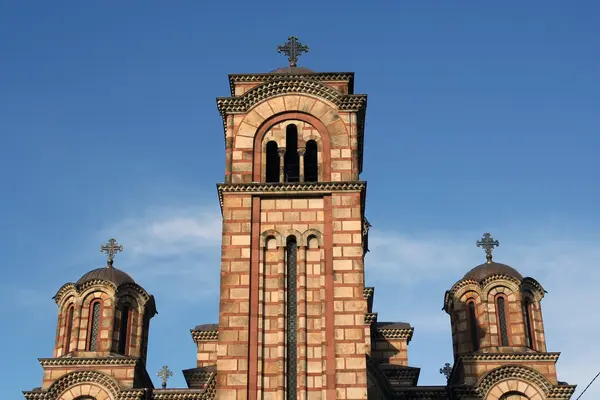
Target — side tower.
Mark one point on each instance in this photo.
(291, 321)
(498, 335)
(101, 338)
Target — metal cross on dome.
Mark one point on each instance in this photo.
(164, 374)
(293, 49)
(487, 242)
(446, 371)
(111, 248)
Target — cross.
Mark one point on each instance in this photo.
(111, 248)
(446, 371)
(487, 242)
(164, 374)
(293, 49)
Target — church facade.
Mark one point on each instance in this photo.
(296, 320)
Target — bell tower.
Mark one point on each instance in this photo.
(292, 309)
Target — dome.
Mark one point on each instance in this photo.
(109, 274)
(293, 70)
(483, 271)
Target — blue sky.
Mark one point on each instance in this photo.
(481, 117)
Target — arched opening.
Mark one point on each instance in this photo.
(123, 330)
(94, 325)
(272, 168)
(311, 168)
(473, 326)
(292, 318)
(69, 328)
(502, 321)
(513, 395)
(291, 158)
(527, 314)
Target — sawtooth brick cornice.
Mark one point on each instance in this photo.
(77, 361)
(290, 188)
(315, 76)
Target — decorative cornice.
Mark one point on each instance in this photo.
(422, 393)
(368, 292)
(177, 394)
(396, 374)
(315, 76)
(404, 333)
(197, 378)
(370, 318)
(281, 86)
(511, 357)
(286, 188)
(133, 394)
(73, 361)
(204, 335)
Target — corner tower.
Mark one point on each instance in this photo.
(291, 321)
(498, 335)
(101, 337)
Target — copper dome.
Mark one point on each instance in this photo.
(109, 274)
(483, 271)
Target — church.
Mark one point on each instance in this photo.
(296, 320)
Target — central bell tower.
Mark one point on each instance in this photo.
(292, 309)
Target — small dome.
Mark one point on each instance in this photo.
(293, 70)
(109, 274)
(483, 271)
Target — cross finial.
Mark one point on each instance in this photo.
(164, 374)
(487, 242)
(446, 371)
(111, 248)
(293, 49)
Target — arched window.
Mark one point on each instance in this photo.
(291, 158)
(123, 330)
(94, 325)
(311, 168)
(144, 341)
(272, 169)
(527, 313)
(69, 327)
(292, 319)
(502, 320)
(473, 326)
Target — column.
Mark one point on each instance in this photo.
(301, 152)
(281, 152)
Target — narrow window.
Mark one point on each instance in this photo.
(503, 327)
(292, 161)
(528, 324)
(272, 172)
(69, 328)
(123, 330)
(311, 169)
(94, 326)
(473, 326)
(292, 317)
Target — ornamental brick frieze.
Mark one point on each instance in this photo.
(79, 289)
(298, 188)
(76, 361)
(487, 381)
(405, 333)
(204, 335)
(511, 357)
(325, 77)
(243, 103)
(72, 379)
(370, 318)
